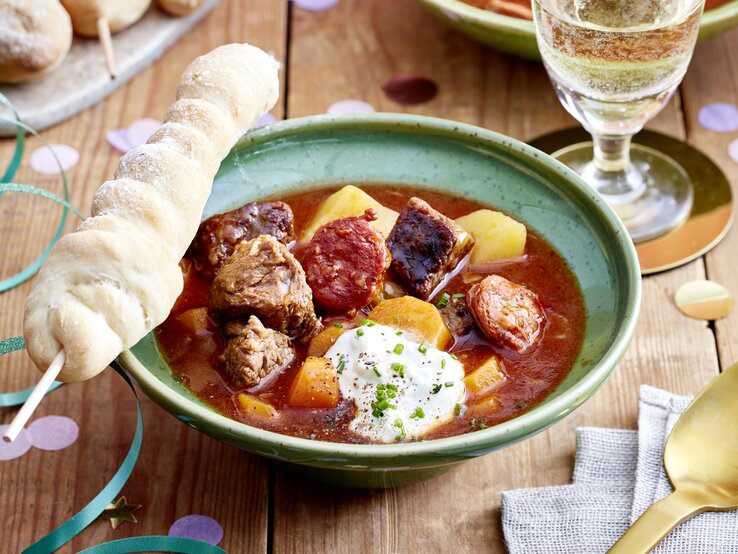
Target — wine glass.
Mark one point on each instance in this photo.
(614, 65)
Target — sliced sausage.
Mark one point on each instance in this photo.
(426, 246)
(345, 262)
(219, 235)
(509, 314)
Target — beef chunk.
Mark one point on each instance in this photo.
(457, 317)
(508, 313)
(264, 279)
(254, 353)
(425, 246)
(219, 235)
(345, 262)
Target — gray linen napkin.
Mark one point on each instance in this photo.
(617, 475)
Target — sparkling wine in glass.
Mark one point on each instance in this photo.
(614, 65)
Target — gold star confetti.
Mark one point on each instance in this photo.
(119, 511)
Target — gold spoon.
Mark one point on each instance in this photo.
(701, 460)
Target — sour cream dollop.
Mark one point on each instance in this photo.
(420, 385)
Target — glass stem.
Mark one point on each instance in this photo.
(611, 153)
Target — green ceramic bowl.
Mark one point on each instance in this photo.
(517, 36)
(463, 160)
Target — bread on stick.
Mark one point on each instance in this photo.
(179, 7)
(114, 279)
(35, 36)
(119, 14)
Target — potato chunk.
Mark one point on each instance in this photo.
(418, 318)
(321, 343)
(485, 377)
(315, 385)
(251, 405)
(350, 201)
(498, 236)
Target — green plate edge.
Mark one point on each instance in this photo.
(436, 453)
(517, 36)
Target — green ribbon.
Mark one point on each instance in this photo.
(5, 186)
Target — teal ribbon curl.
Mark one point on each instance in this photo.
(31, 269)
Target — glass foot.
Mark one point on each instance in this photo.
(652, 197)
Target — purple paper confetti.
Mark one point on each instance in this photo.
(140, 130)
(719, 117)
(410, 89)
(118, 139)
(53, 432)
(201, 528)
(350, 106)
(266, 119)
(42, 159)
(733, 150)
(315, 5)
(15, 449)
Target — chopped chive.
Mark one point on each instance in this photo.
(399, 348)
(341, 364)
(360, 332)
(402, 434)
(338, 325)
(418, 413)
(398, 333)
(473, 423)
(481, 426)
(392, 387)
(453, 357)
(376, 371)
(443, 363)
(448, 384)
(399, 369)
(368, 323)
(436, 388)
(395, 319)
(458, 409)
(423, 348)
(458, 295)
(442, 301)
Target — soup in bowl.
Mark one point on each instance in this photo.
(375, 298)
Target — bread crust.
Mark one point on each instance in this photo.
(35, 36)
(120, 14)
(115, 278)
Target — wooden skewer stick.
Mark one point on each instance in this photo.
(41, 388)
(103, 33)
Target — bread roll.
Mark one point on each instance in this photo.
(106, 285)
(119, 14)
(35, 36)
(179, 7)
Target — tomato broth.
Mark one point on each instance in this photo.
(530, 375)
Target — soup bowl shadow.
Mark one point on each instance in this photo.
(447, 156)
(517, 36)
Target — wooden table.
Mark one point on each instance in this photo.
(346, 52)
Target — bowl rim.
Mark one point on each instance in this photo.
(489, 18)
(517, 428)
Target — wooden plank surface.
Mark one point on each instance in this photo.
(180, 471)
(345, 52)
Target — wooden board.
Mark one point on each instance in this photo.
(82, 79)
